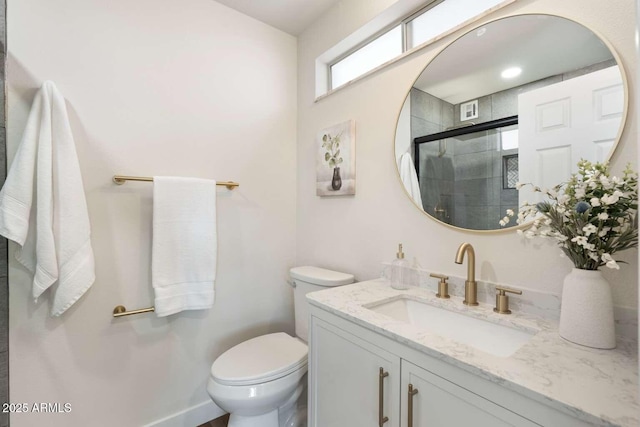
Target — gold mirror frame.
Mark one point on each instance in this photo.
(622, 125)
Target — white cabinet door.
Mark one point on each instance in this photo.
(345, 372)
(440, 403)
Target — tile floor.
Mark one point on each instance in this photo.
(218, 422)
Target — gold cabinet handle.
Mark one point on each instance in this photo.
(381, 418)
(412, 392)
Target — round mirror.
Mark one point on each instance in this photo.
(520, 99)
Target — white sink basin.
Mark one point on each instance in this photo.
(492, 338)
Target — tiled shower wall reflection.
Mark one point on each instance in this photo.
(461, 177)
(4, 279)
(479, 196)
(432, 115)
(437, 180)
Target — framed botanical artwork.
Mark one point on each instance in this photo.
(336, 163)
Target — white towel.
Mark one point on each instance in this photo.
(43, 207)
(183, 265)
(409, 178)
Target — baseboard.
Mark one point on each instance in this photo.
(191, 417)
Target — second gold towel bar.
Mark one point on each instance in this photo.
(120, 311)
(120, 179)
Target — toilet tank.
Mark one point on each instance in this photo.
(310, 279)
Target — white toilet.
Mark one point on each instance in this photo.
(262, 382)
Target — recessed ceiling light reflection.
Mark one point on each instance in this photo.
(512, 72)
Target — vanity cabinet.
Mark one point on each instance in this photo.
(355, 382)
(435, 402)
(344, 377)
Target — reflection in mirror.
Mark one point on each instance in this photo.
(520, 99)
(468, 172)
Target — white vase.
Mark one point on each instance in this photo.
(586, 314)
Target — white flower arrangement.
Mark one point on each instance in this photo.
(592, 216)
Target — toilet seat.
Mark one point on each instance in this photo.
(259, 360)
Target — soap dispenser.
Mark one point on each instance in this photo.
(400, 271)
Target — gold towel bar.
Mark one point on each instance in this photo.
(120, 311)
(120, 179)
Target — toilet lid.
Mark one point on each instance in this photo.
(261, 359)
(321, 276)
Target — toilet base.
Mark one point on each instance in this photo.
(270, 419)
(294, 412)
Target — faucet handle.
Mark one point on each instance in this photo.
(443, 286)
(501, 290)
(502, 299)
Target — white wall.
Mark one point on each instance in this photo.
(355, 234)
(155, 87)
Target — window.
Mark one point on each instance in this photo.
(509, 139)
(443, 17)
(361, 53)
(375, 53)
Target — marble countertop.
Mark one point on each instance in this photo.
(597, 386)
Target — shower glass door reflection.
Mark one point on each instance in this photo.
(469, 180)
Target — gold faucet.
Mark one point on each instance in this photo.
(470, 285)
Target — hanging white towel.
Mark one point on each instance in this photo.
(409, 178)
(43, 206)
(183, 265)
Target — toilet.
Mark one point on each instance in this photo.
(262, 382)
